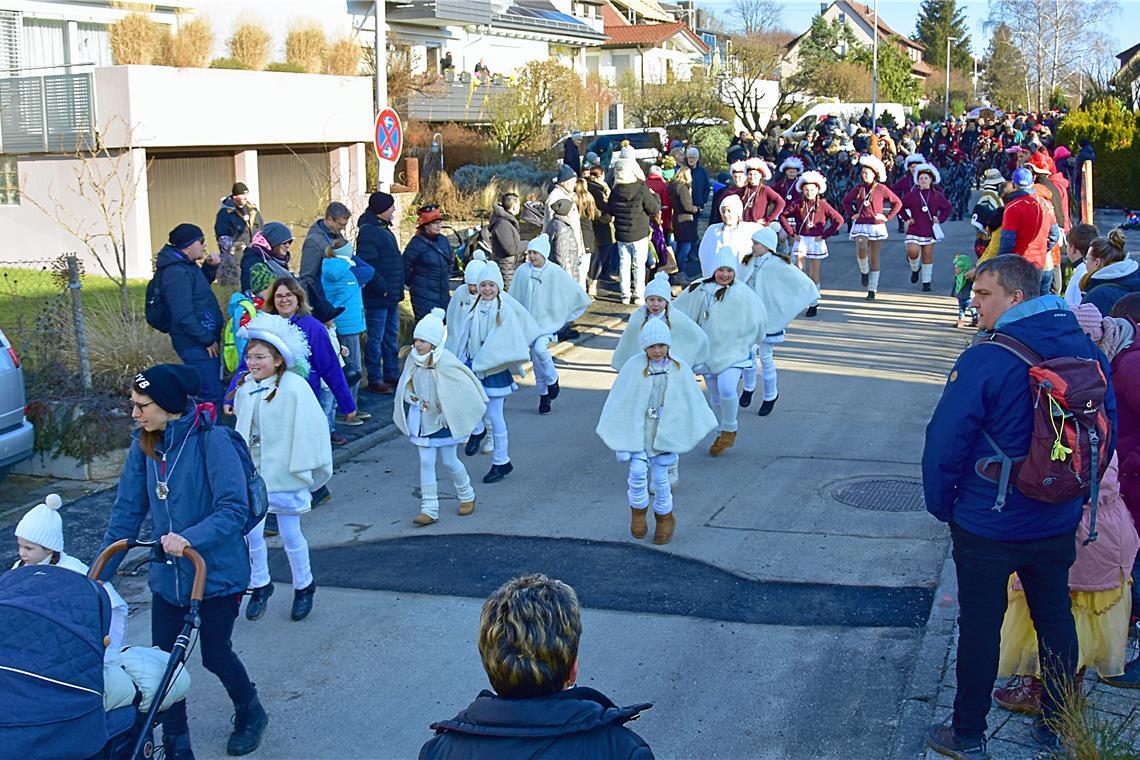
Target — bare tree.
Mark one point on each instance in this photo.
(754, 60)
(755, 16)
(1055, 37)
(98, 206)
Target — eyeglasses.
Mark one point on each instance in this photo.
(133, 405)
(257, 357)
(429, 207)
(284, 296)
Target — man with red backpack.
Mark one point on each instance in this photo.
(1012, 496)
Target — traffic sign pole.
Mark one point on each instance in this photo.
(388, 142)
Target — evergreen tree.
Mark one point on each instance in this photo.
(896, 83)
(1004, 70)
(939, 20)
(825, 43)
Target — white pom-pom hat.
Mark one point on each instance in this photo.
(812, 178)
(874, 163)
(792, 162)
(926, 168)
(430, 328)
(726, 258)
(284, 336)
(42, 525)
(659, 286)
(654, 332)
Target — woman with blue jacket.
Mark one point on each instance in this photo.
(186, 475)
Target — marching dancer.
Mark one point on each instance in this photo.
(924, 209)
(808, 222)
(865, 204)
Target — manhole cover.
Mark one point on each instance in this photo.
(885, 495)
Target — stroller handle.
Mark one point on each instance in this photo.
(197, 591)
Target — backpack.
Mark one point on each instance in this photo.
(242, 308)
(157, 310)
(258, 495)
(1068, 451)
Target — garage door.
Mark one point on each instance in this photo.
(186, 189)
(295, 187)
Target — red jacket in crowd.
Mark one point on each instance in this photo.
(1029, 218)
(658, 185)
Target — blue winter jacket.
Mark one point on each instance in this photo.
(195, 317)
(342, 280)
(701, 185)
(1108, 285)
(988, 389)
(207, 505)
(573, 724)
(376, 245)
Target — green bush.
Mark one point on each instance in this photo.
(1114, 132)
(713, 145)
(287, 67)
(227, 63)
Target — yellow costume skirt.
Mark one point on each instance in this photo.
(1102, 631)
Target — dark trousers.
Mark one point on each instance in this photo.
(984, 567)
(599, 261)
(381, 343)
(209, 369)
(218, 657)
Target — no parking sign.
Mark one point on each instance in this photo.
(389, 136)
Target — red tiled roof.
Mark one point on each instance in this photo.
(611, 17)
(629, 35)
(865, 12)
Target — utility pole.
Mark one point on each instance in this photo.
(381, 56)
(948, 41)
(875, 68)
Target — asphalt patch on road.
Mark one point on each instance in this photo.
(606, 575)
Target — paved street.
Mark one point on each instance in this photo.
(779, 623)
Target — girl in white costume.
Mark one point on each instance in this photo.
(654, 412)
(553, 298)
(440, 403)
(458, 312)
(689, 342)
(732, 233)
(276, 415)
(732, 315)
(785, 291)
(496, 341)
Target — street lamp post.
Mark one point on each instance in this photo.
(875, 68)
(948, 41)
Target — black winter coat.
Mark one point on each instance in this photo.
(427, 271)
(572, 725)
(604, 224)
(195, 317)
(377, 247)
(507, 248)
(632, 205)
(684, 212)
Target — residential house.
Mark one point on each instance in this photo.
(165, 134)
(502, 35)
(1129, 72)
(650, 53)
(860, 19)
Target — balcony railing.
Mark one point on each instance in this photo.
(54, 113)
(465, 102)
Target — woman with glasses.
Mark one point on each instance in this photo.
(427, 263)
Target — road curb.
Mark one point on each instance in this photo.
(920, 697)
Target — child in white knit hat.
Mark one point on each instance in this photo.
(459, 311)
(276, 415)
(654, 412)
(553, 298)
(440, 403)
(39, 537)
(732, 315)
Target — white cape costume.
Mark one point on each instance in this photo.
(293, 455)
(784, 289)
(458, 311)
(683, 420)
(458, 393)
(718, 236)
(690, 344)
(731, 324)
(550, 294)
(507, 344)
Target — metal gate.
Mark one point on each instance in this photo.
(295, 188)
(186, 189)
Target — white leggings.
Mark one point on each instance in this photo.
(498, 429)
(296, 549)
(545, 374)
(768, 371)
(429, 487)
(641, 468)
(722, 392)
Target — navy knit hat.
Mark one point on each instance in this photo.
(564, 173)
(1023, 178)
(169, 385)
(379, 202)
(239, 188)
(276, 233)
(185, 235)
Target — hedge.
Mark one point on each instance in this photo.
(1114, 132)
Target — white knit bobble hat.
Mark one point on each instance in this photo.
(540, 244)
(473, 271)
(726, 257)
(734, 201)
(430, 328)
(659, 286)
(491, 273)
(655, 331)
(767, 237)
(42, 525)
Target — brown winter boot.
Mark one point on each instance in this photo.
(663, 533)
(638, 527)
(723, 443)
(466, 507)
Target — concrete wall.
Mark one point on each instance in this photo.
(172, 108)
(658, 62)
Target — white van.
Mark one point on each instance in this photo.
(847, 112)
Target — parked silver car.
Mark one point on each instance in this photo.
(16, 434)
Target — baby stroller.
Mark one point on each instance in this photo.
(53, 625)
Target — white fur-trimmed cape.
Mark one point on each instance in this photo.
(690, 343)
(554, 302)
(731, 324)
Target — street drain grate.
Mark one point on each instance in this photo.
(882, 495)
